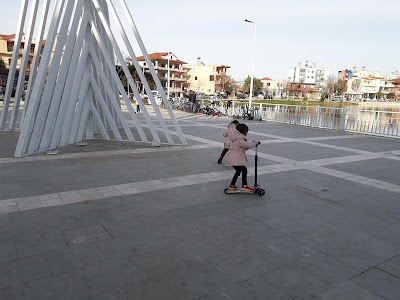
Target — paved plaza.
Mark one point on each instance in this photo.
(130, 221)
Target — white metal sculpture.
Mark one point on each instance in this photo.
(73, 91)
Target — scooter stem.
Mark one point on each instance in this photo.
(255, 165)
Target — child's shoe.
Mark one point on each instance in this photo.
(219, 161)
(232, 186)
(247, 188)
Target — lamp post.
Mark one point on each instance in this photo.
(168, 75)
(252, 65)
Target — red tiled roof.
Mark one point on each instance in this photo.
(266, 78)
(395, 81)
(159, 56)
(7, 36)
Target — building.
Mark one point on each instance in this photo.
(203, 79)
(396, 88)
(162, 61)
(366, 85)
(274, 88)
(7, 46)
(6, 51)
(306, 81)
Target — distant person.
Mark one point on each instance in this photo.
(192, 101)
(227, 143)
(237, 157)
(137, 107)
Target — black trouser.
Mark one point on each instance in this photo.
(240, 169)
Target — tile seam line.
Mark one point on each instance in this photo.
(295, 140)
(212, 178)
(263, 171)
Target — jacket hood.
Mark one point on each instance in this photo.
(236, 135)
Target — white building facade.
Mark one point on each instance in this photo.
(164, 63)
(366, 85)
(202, 78)
(308, 76)
(274, 88)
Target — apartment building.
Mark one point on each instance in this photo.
(203, 79)
(366, 85)
(6, 51)
(306, 81)
(274, 88)
(162, 62)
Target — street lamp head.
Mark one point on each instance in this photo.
(249, 21)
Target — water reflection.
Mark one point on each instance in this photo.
(377, 118)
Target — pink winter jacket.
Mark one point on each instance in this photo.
(228, 142)
(236, 154)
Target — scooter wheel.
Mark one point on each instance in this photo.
(226, 191)
(261, 192)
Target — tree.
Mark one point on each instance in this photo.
(2, 63)
(135, 77)
(329, 87)
(225, 84)
(257, 86)
(340, 86)
(391, 95)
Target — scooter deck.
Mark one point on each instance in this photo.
(258, 191)
(239, 191)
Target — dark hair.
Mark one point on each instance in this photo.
(236, 122)
(242, 128)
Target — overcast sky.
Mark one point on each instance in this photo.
(335, 34)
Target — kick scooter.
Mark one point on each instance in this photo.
(257, 190)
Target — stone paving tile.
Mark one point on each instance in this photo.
(243, 264)
(23, 270)
(160, 260)
(48, 197)
(41, 220)
(40, 242)
(63, 286)
(120, 248)
(91, 194)
(13, 292)
(111, 275)
(296, 282)
(71, 259)
(327, 268)
(4, 219)
(71, 197)
(85, 235)
(391, 266)
(192, 282)
(8, 209)
(350, 291)
(286, 249)
(255, 288)
(8, 252)
(52, 202)
(110, 295)
(8, 202)
(28, 203)
(380, 283)
(362, 254)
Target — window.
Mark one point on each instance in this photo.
(211, 77)
(268, 84)
(144, 64)
(195, 77)
(162, 65)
